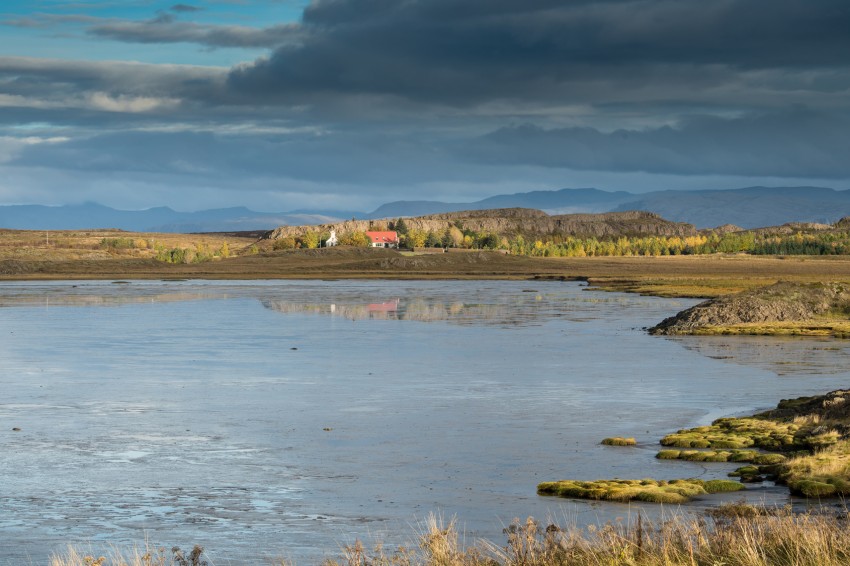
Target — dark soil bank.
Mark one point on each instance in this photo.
(781, 302)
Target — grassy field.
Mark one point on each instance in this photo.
(111, 254)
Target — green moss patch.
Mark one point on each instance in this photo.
(738, 433)
(654, 491)
(807, 444)
(708, 455)
(619, 441)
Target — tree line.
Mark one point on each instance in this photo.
(561, 245)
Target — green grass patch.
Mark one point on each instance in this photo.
(816, 327)
(649, 490)
(738, 433)
(825, 473)
(619, 441)
(768, 459)
(708, 455)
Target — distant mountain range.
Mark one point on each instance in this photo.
(750, 207)
(564, 201)
(160, 219)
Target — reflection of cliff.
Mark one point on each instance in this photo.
(780, 355)
(351, 312)
(418, 309)
(72, 298)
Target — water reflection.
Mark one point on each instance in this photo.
(419, 309)
(268, 424)
(461, 302)
(464, 303)
(100, 294)
(782, 355)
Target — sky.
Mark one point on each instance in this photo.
(283, 105)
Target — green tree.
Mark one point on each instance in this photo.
(432, 240)
(489, 241)
(400, 226)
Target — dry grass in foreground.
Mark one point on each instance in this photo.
(733, 535)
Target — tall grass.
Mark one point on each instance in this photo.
(149, 556)
(738, 535)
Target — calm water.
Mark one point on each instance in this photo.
(284, 419)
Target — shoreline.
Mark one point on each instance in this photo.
(667, 276)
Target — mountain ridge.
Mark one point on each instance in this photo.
(747, 207)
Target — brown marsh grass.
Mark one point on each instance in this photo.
(734, 535)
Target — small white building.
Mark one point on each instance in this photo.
(331, 241)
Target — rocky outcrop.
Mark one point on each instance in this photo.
(516, 221)
(781, 302)
(843, 224)
(796, 227)
(726, 229)
(834, 406)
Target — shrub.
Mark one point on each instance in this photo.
(287, 243)
(117, 243)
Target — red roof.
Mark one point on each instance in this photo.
(382, 237)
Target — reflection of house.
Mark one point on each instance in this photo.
(386, 306)
(383, 239)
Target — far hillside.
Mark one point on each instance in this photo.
(533, 232)
(496, 228)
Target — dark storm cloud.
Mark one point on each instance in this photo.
(480, 50)
(796, 143)
(358, 158)
(390, 96)
(166, 29)
(56, 83)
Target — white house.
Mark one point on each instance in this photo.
(386, 239)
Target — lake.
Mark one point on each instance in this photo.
(287, 418)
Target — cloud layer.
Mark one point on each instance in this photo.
(379, 98)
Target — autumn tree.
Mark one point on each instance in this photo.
(287, 243)
(415, 238)
(310, 240)
(359, 239)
